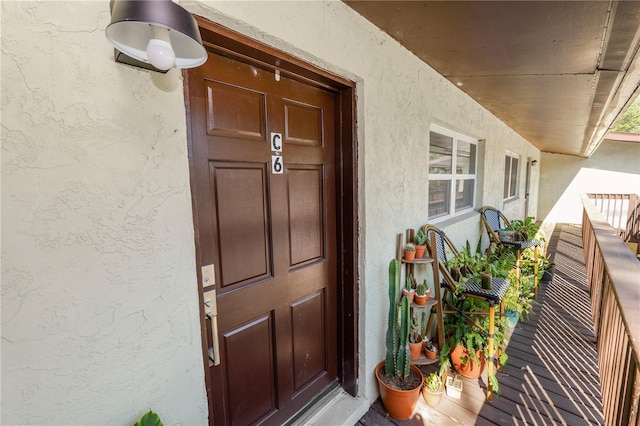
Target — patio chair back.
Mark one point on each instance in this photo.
(443, 250)
(493, 220)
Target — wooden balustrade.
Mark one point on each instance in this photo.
(614, 279)
(622, 211)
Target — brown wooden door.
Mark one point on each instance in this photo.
(271, 237)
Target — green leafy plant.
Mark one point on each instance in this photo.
(459, 330)
(409, 247)
(421, 290)
(149, 419)
(519, 295)
(433, 382)
(526, 228)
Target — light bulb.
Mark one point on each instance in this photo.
(159, 50)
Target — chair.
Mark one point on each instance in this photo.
(494, 221)
(439, 246)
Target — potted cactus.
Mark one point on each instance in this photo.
(430, 349)
(399, 381)
(420, 243)
(409, 251)
(421, 294)
(415, 340)
(408, 289)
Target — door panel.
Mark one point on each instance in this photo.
(243, 188)
(306, 202)
(235, 111)
(271, 237)
(309, 359)
(252, 379)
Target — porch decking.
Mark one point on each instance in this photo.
(552, 374)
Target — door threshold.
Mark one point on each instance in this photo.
(335, 408)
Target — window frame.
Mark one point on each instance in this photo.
(511, 156)
(454, 177)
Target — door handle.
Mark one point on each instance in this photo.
(211, 312)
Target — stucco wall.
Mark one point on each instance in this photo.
(613, 168)
(99, 307)
(99, 303)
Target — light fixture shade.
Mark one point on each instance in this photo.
(131, 29)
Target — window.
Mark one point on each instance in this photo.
(510, 175)
(452, 172)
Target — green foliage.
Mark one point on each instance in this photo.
(630, 120)
(433, 382)
(403, 364)
(461, 331)
(408, 284)
(149, 419)
(392, 321)
(421, 238)
(519, 295)
(421, 290)
(410, 247)
(527, 228)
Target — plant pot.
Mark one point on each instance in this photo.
(511, 318)
(521, 236)
(420, 300)
(431, 354)
(409, 255)
(431, 398)
(547, 276)
(472, 368)
(409, 293)
(455, 273)
(400, 404)
(420, 251)
(415, 349)
(485, 280)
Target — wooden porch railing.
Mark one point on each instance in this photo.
(614, 279)
(622, 211)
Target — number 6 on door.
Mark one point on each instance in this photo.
(276, 164)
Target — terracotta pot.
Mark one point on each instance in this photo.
(420, 251)
(420, 300)
(400, 404)
(415, 349)
(409, 293)
(473, 368)
(409, 255)
(431, 354)
(431, 398)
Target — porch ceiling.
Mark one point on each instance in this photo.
(558, 72)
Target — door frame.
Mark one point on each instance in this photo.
(222, 40)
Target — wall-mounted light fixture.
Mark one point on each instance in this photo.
(534, 162)
(155, 32)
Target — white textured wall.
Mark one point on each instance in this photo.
(613, 168)
(99, 308)
(99, 303)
